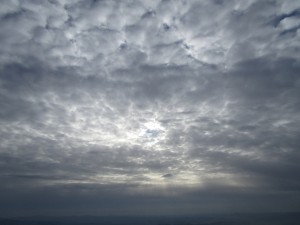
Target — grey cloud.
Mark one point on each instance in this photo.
(276, 21)
(168, 175)
(105, 104)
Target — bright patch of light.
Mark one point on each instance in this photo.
(151, 132)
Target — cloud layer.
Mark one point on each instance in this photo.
(124, 107)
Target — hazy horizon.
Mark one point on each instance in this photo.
(211, 219)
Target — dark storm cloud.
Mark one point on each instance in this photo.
(106, 104)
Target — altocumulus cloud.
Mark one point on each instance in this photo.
(125, 107)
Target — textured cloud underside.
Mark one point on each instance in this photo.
(202, 95)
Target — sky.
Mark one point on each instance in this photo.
(153, 107)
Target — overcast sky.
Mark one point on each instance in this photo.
(149, 107)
